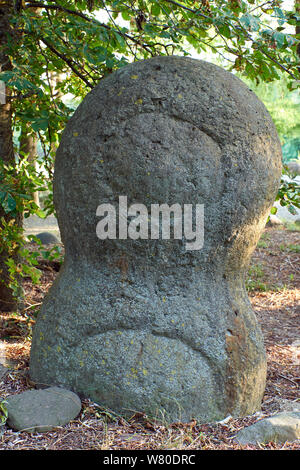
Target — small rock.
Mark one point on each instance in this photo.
(42, 410)
(294, 166)
(47, 238)
(279, 428)
(3, 371)
(287, 405)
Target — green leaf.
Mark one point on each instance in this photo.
(155, 9)
(109, 62)
(9, 203)
(279, 38)
(40, 124)
(125, 15)
(3, 412)
(250, 70)
(6, 76)
(292, 210)
(2, 196)
(40, 213)
(280, 13)
(120, 40)
(250, 22)
(225, 31)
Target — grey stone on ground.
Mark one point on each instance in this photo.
(294, 166)
(278, 428)
(286, 405)
(145, 324)
(3, 371)
(42, 410)
(47, 238)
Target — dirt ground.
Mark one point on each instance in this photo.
(274, 290)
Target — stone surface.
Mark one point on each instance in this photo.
(145, 324)
(3, 371)
(279, 428)
(294, 166)
(286, 405)
(42, 410)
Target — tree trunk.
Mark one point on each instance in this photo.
(28, 145)
(7, 301)
(55, 79)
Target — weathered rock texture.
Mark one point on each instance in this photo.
(144, 324)
(281, 427)
(42, 410)
(47, 238)
(3, 371)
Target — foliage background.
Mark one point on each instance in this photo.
(54, 52)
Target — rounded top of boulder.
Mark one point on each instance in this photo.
(163, 131)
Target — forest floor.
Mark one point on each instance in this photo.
(274, 290)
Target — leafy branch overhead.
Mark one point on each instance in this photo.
(252, 37)
(52, 49)
(85, 40)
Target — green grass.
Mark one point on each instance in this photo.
(255, 278)
(290, 248)
(292, 226)
(264, 241)
(262, 244)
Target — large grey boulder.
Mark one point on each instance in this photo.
(42, 410)
(143, 324)
(278, 428)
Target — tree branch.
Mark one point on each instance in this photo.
(195, 12)
(261, 49)
(34, 4)
(67, 61)
(136, 41)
